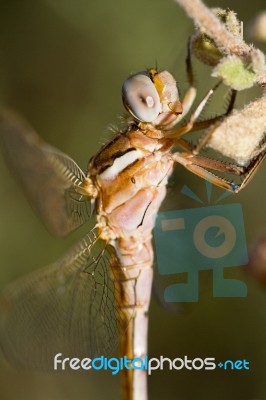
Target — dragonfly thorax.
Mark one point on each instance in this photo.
(130, 174)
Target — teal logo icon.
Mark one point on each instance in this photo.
(202, 238)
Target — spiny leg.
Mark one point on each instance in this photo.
(189, 69)
(190, 93)
(188, 101)
(250, 170)
(180, 131)
(200, 165)
(258, 151)
(207, 123)
(199, 125)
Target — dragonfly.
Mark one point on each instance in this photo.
(97, 295)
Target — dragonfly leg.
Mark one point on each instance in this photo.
(182, 130)
(188, 101)
(200, 166)
(207, 123)
(190, 94)
(199, 125)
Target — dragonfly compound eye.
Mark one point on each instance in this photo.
(141, 98)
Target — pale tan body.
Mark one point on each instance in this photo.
(128, 202)
(91, 295)
(127, 205)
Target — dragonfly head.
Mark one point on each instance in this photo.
(151, 96)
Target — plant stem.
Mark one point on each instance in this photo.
(226, 41)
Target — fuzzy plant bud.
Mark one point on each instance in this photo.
(240, 135)
(241, 72)
(204, 47)
(235, 73)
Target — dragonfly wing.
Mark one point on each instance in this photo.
(70, 307)
(51, 180)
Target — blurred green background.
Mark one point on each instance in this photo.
(62, 64)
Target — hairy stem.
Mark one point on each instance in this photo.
(213, 27)
(226, 41)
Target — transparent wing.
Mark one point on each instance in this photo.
(51, 180)
(70, 307)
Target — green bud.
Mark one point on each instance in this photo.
(235, 73)
(204, 48)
